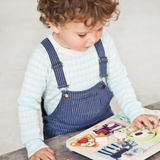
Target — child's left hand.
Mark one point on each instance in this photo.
(151, 121)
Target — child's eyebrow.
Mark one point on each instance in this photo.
(84, 32)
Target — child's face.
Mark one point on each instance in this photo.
(77, 36)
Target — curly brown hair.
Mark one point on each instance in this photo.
(61, 11)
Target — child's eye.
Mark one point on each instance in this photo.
(80, 35)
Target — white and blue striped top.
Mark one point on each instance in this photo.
(82, 72)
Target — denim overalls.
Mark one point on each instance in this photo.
(77, 110)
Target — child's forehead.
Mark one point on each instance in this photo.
(80, 26)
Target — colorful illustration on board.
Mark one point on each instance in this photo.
(116, 140)
(121, 133)
(109, 128)
(85, 141)
(132, 153)
(142, 135)
(114, 150)
(122, 117)
(101, 138)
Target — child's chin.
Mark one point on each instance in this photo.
(84, 49)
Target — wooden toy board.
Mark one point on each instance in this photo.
(116, 139)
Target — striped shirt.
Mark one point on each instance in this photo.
(82, 72)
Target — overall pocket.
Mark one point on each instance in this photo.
(87, 109)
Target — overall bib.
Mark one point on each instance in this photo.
(77, 110)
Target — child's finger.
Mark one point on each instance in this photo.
(34, 158)
(50, 150)
(49, 154)
(43, 157)
(154, 120)
(138, 124)
(148, 123)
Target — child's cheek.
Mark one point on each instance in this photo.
(100, 34)
(78, 44)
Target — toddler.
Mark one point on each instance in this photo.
(73, 75)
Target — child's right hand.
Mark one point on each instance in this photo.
(43, 154)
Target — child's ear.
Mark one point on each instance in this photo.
(54, 27)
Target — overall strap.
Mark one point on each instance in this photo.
(102, 59)
(56, 63)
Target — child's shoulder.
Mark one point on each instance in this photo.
(106, 36)
(107, 39)
(39, 56)
(39, 51)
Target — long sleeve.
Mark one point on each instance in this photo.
(29, 102)
(120, 85)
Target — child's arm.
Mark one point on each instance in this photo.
(121, 87)
(29, 102)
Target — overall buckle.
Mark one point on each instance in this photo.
(57, 66)
(103, 59)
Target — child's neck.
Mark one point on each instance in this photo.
(58, 40)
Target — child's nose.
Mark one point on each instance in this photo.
(93, 38)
